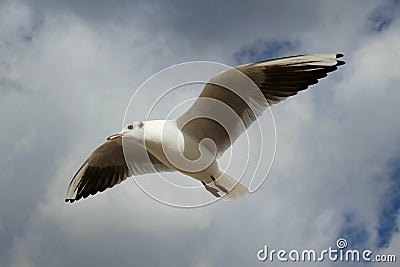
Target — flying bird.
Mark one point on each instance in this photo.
(191, 144)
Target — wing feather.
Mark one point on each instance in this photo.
(268, 82)
(106, 167)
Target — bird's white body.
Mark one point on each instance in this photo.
(183, 153)
(178, 150)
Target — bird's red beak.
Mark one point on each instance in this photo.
(114, 136)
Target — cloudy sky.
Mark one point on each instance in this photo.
(69, 68)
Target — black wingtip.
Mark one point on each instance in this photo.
(340, 62)
(69, 200)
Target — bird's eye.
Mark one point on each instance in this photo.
(130, 127)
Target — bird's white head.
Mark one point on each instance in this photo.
(133, 130)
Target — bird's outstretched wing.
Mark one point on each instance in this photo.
(231, 101)
(106, 167)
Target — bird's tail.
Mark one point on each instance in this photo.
(235, 188)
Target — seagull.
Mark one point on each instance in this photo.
(191, 144)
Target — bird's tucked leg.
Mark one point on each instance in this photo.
(220, 186)
(211, 190)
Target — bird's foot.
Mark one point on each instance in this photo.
(211, 190)
(220, 186)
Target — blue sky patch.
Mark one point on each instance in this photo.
(379, 22)
(263, 50)
(390, 207)
(382, 17)
(33, 31)
(355, 234)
